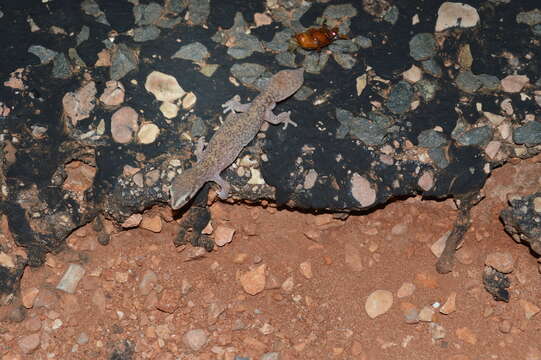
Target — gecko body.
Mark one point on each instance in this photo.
(239, 128)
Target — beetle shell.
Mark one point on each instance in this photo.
(316, 38)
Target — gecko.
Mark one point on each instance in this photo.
(239, 128)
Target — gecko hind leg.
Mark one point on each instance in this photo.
(199, 148)
(281, 118)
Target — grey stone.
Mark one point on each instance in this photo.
(270, 356)
(537, 30)
(380, 119)
(90, 7)
(342, 131)
(199, 11)
(71, 278)
(147, 14)
(303, 93)
(339, 11)
(438, 156)
(362, 41)
(146, 33)
(103, 20)
(344, 46)
(245, 46)
(83, 35)
(529, 134)
(432, 67)
(168, 23)
(489, 83)
(431, 139)
(468, 82)
(45, 55)
(530, 18)
(346, 61)
(399, 100)
(423, 46)
(369, 132)
(478, 136)
(75, 58)
(345, 118)
(61, 67)
(247, 73)
(366, 131)
(391, 16)
(427, 89)
(177, 5)
(286, 59)
(195, 52)
(82, 338)
(195, 339)
(199, 127)
(314, 62)
(123, 61)
(280, 42)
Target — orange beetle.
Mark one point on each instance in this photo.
(317, 38)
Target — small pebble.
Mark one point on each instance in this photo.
(467, 335)
(378, 303)
(306, 269)
(195, 339)
(253, 281)
(223, 235)
(426, 314)
(501, 261)
(405, 290)
(505, 326)
(530, 309)
(450, 304)
(411, 313)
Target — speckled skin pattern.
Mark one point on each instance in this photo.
(239, 128)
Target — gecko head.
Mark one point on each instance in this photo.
(286, 83)
(183, 188)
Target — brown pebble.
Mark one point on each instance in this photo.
(501, 261)
(467, 335)
(29, 343)
(223, 235)
(306, 269)
(253, 281)
(530, 310)
(450, 304)
(152, 222)
(426, 280)
(505, 326)
(240, 258)
(29, 296)
(169, 300)
(405, 290)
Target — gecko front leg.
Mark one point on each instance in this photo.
(234, 105)
(281, 118)
(200, 148)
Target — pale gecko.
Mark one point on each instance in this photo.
(239, 128)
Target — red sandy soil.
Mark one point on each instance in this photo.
(316, 273)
